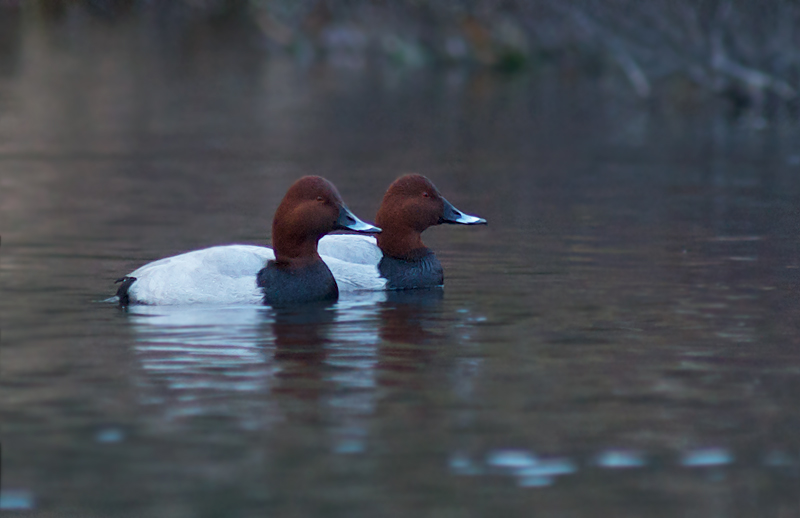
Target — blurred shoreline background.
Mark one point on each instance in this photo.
(741, 55)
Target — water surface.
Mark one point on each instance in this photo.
(620, 340)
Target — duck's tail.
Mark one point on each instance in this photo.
(122, 291)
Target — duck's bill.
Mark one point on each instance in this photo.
(455, 216)
(348, 221)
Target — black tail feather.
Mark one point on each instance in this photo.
(122, 291)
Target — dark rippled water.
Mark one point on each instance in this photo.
(621, 340)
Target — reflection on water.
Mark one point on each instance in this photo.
(195, 359)
(16, 500)
(405, 313)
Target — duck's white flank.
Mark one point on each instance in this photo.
(227, 274)
(351, 248)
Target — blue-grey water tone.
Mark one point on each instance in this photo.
(620, 340)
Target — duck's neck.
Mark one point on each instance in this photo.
(402, 243)
(294, 249)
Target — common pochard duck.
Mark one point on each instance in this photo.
(398, 256)
(246, 274)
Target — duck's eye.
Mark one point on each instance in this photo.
(426, 195)
(320, 198)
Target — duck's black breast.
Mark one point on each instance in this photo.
(405, 274)
(282, 285)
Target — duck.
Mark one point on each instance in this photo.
(397, 259)
(291, 272)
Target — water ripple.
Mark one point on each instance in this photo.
(706, 457)
(16, 500)
(513, 459)
(617, 459)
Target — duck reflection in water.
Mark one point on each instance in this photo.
(396, 328)
(326, 358)
(302, 339)
(204, 360)
(407, 318)
(302, 331)
(320, 362)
